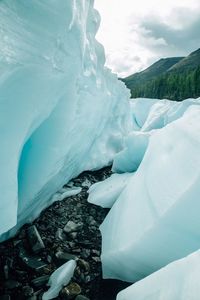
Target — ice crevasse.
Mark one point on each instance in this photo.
(61, 110)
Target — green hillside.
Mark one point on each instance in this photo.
(175, 78)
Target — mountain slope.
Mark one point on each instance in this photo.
(158, 68)
(187, 63)
(174, 78)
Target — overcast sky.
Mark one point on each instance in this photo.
(136, 33)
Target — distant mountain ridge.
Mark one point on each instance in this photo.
(175, 78)
(189, 62)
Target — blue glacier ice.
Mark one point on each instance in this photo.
(61, 110)
(155, 218)
(105, 193)
(177, 281)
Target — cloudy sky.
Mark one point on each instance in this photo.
(136, 33)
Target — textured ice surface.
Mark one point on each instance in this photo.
(59, 278)
(65, 192)
(129, 159)
(61, 111)
(149, 114)
(177, 281)
(156, 220)
(105, 193)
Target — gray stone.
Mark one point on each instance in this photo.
(73, 235)
(86, 253)
(49, 259)
(71, 244)
(63, 257)
(97, 252)
(72, 227)
(93, 228)
(60, 234)
(91, 221)
(87, 279)
(27, 291)
(85, 243)
(32, 262)
(12, 284)
(6, 271)
(40, 281)
(96, 259)
(84, 265)
(77, 250)
(35, 239)
(71, 291)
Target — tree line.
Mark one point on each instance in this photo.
(171, 85)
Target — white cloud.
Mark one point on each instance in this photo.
(137, 33)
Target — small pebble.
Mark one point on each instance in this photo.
(71, 291)
(63, 257)
(27, 291)
(83, 265)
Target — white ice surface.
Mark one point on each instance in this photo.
(61, 111)
(177, 281)
(58, 279)
(156, 220)
(106, 192)
(149, 114)
(129, 159)
(65, 192)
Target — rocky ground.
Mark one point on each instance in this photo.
(69, 229)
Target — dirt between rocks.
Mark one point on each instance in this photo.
(68, 229)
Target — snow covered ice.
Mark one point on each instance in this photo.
(150, 114)
(177, 281)
(61, 111)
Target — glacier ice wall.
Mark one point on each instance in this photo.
(178, 280)
(155, 218)
(61, 111)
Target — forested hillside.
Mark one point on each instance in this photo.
(171, 78)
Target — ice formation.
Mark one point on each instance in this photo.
(59, 278)
(150, 114)
(129, 159)
(61, 111)
(177, 281)
(105, 193)
(155, 219)
(65, 192)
